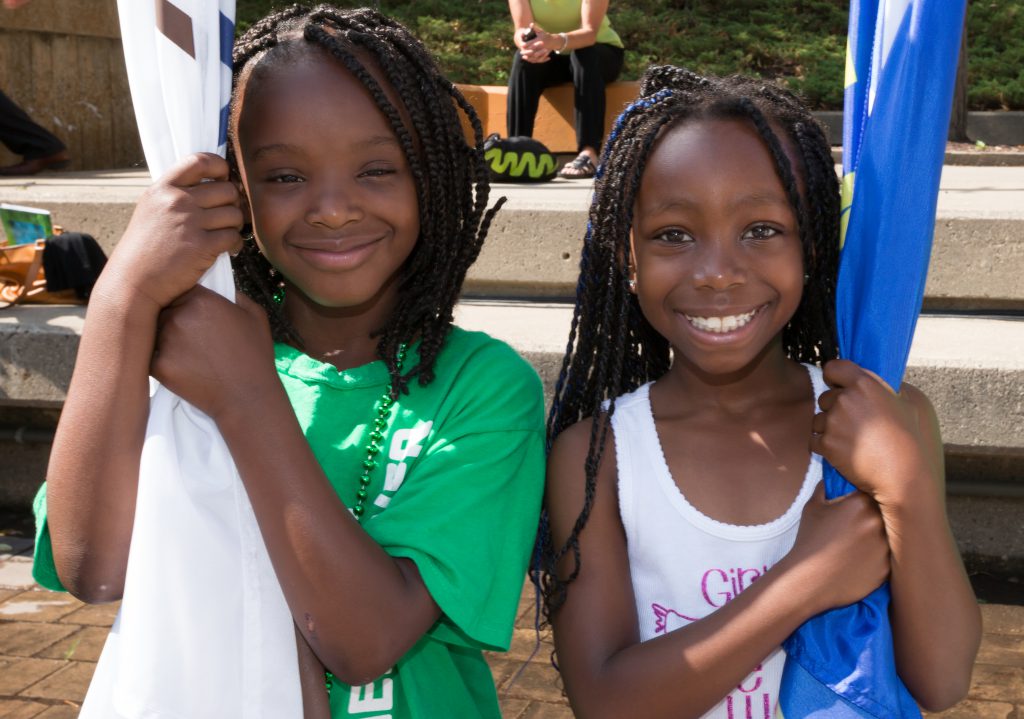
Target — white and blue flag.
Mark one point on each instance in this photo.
(900, 71)
(203, 630)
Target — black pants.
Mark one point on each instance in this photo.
(22, 135)
(589, 69)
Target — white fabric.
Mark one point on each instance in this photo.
(203, 630)
(683, 564)
(887, 27)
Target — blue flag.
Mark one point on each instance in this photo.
(900, 70)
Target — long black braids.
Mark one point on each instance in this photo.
(450, 174)
(612, 349)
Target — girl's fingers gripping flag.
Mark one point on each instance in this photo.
(203, 629)
(900, 68)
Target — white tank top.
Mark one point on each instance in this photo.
(684, 564)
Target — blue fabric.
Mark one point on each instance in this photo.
(227, 41)
(902, 54)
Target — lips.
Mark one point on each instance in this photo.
(722, 324)
(347, 243)
(336, 253)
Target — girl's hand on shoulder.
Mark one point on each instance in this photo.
(841, 548)
(213, 353)
(180, 225)
(883, 442)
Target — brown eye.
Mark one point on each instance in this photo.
(674, 236)
(760, 232)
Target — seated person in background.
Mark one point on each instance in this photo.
(564, 41)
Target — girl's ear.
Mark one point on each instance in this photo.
(244, 203)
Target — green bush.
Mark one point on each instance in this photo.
(799, 43)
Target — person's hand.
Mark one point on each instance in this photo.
(841, 551)
(535, 50)
(213, 353)
(14, 4)
(872, 435)
(179, 227)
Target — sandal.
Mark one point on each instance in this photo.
(580, 168)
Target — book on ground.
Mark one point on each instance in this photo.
(22, 225)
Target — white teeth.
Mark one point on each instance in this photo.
(721, 324)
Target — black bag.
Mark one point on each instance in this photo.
(72, 261)
(519, 159)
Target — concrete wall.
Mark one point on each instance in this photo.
(61, 61)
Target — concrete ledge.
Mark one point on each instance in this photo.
(984, 157)
(534, 245)
(971, 368)
(975, 261)
(38, 345)
(992, 128)
(989, 533)
(100, 203)
(996, 128)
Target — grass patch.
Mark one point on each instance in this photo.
(799, 43)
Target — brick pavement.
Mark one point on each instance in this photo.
(49, 643)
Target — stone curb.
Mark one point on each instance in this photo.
(533, 247)
(980, 158)
(971, 368)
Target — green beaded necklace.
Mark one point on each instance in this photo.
(383, 405)
(373, 448)
(375, 444)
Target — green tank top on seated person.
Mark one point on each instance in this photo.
(457, 490)
(556, 16)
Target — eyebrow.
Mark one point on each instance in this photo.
(286, 148)
(378, 140)
(273, 148)
(754, 198)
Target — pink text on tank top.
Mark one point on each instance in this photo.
(746, 700)
(718, 586)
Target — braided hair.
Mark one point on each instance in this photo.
(451, 178)
(612, 348)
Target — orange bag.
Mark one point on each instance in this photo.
(22, 280)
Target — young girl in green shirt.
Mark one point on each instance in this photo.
(375, 445)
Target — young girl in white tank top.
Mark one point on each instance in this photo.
(688, 534)
(721, 559)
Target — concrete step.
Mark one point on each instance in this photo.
(971, 368)
(534, 245)
(978, 251)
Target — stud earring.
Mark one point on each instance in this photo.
(807, 279)
(632, 285)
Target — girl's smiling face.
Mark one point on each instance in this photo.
(717, 255)
(332, 197)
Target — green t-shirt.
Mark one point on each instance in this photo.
(457, 489)
(565, 16)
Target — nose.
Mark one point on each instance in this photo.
(334, 204)
(720, 266)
